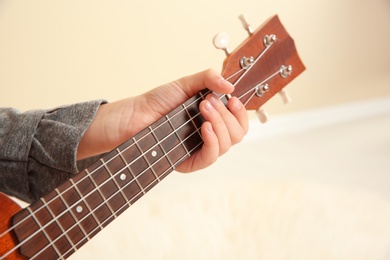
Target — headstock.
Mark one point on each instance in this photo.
(262, 65)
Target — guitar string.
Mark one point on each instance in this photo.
(134, 197)
(154, 182)
(261, 83)
(255, 61)
(101, 166)
(228, 78)
(32, 235)
(56, 197)
(96, 188)
(245, 71)
(150, 184)
(81, 199)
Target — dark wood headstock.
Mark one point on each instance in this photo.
(263, 64)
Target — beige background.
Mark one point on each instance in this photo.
(59, 52)
(310, 184)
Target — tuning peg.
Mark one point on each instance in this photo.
(286, 71)
(262, 115)
(285, 96)
(246, 24)
(269, 39)
(221, 41)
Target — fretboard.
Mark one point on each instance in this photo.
(62, 221)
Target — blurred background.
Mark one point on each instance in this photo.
(311, 184)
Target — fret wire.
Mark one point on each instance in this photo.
(74, 225)
(191, 119)
(116, 183)
(197, 129)
(166, 137)
(143, 155)
(175, 131)
(86, 204)
(69, 208)
(59, 194)
(162, 149)
(51, 243)
(164, 173)
(72, 214)
(201, 95)
(131, 172)
(97, 188)
(59, 225)
(11, 228)
(177, 135)
(92, 212)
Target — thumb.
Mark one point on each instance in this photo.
(210, 79)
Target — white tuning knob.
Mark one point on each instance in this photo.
(285, 96)
(245, 23)
(262, 115)
(221, 41)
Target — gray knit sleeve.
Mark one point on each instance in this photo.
(38, 148)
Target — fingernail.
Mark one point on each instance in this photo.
(236, 103)
(208, 106)
(214, 100)
(227, 84)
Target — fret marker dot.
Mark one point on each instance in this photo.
(79, 209)
(154, 153)
(123, 177)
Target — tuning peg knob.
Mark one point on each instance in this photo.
(262, 115)
(285, 96)
(246, 24)
(221, 41)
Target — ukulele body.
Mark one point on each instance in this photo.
(8, 209)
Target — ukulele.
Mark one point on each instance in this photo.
(58, 224)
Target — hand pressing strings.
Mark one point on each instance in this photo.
(116, 122)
